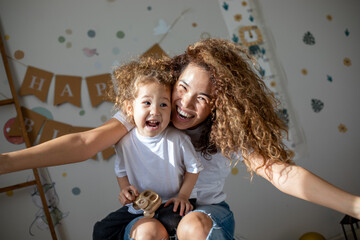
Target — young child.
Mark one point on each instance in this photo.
(153, 155)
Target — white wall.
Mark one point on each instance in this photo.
(261, 211)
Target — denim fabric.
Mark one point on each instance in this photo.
(223, 221)
(112, 227)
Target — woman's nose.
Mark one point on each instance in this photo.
(187, 101)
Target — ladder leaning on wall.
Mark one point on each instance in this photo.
(15, 102)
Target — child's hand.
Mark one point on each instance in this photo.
(128, 194)
(183, 202)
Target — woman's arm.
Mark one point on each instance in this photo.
(66, 149)
(299, 182)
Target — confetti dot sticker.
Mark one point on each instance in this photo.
(329, 78)
(251, 18)
(68, 45)
(68, 31)
(115, 50)
(317, 105)
(19, 54)
(329, 17)
(347, 33)
(238, 17)
(120, 34)
(347, 62)
(61, 39)
(149, 8)
(225, 6)
(342, 128)
(234, 171)
(10, 193)
(304, 71)
(205, 35)
(82, 113)
(91, 33)
(308, 38)
(244, 3)
(64, 174)
(76, 191)
(194, 24)
(272, 83)
(6, 129)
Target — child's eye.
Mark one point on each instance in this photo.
(163, 105)
(146, 103)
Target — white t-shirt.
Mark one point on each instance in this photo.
(158, 163)
(210, 184)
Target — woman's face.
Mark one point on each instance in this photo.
(191, 98)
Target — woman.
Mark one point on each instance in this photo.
(226, 109)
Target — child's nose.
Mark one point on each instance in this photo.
(154, 110)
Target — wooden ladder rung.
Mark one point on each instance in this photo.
(17, 186)
(6, 101)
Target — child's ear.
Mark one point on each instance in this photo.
(129, 108)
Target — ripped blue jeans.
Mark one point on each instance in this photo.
(223, 222)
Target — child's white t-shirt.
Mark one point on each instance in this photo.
(158, 163)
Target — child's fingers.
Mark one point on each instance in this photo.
(182, 208)
(169, 202)
(176, 205)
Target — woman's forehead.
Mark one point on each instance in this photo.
(196, 77)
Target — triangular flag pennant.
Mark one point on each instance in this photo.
(53, 129)
(33, 122)
(67, 89)
(36, 82)
(155, 51)
(98, 87)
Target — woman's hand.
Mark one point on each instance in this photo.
(180, 201)
(128, 195)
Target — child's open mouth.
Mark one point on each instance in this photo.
(152, 124)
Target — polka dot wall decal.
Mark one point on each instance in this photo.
(120, 34)
(64, 174)
(194, 24)
(19, 54)
(308, 38)
(272, 83)
(82, 113)
(6, 129)
(10, 193)
(234, 171)
(225, 6)
(347, 33)
(329, 78)
(238, 17)
(342, 128)
(149, 8)
(68, 45)
(76, 191)
(68, 31)
(61, 39)
(329, 17)
(347, 62)
(317, 105)
(205, 35)
(115, 50)
(244, 3)
(304, 71)
(251, 18)
(91, 33)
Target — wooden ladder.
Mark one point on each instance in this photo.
(14, 101)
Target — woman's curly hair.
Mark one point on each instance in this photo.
(127, 77)
(244, 118)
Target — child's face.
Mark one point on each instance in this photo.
(151, 108)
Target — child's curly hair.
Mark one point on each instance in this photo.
(127, 77)
(244, 115)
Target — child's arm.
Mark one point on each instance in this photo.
(66, 149)
(183, 196)
(127, 192)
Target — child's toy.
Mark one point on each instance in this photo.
(149, 201)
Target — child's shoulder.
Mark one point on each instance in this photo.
(174, 132)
